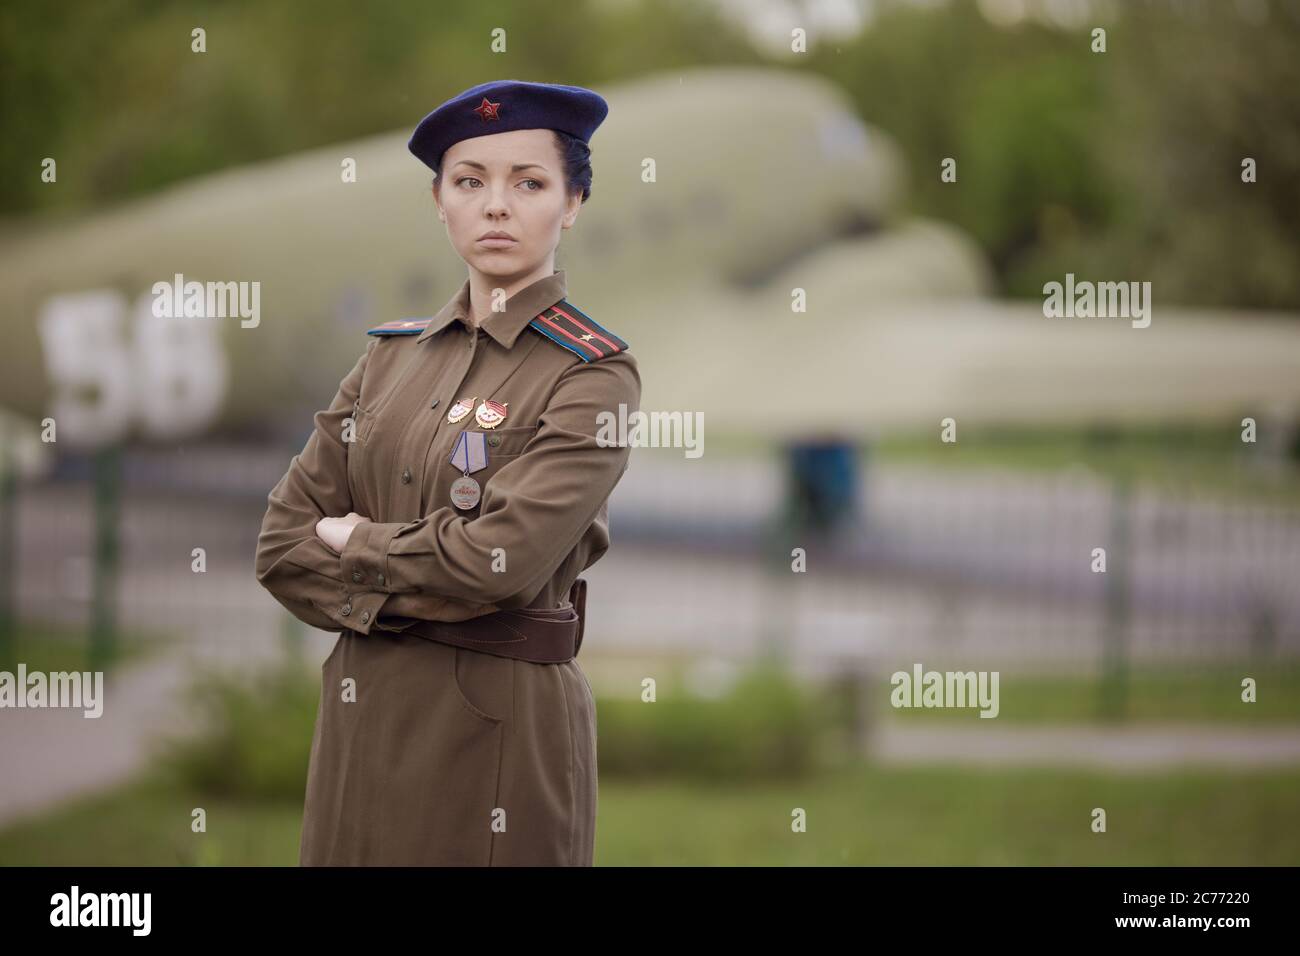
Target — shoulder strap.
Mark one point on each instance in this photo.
(569, 327)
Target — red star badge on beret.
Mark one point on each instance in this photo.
(487, 110)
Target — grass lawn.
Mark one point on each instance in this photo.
(857, 816)
(56, 647)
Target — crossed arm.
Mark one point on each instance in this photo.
(535, 511)
(300, 570)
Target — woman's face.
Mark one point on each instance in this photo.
(506, 182)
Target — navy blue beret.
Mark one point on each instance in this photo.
(505, 105)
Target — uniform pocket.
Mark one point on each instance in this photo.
(484, 682)
(403, 773)
(363, 423)
(363, 420)
(506, 442)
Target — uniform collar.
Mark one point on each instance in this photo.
(521, 308)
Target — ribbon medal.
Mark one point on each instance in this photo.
(470, 454)
(490, 414)
(458, 411)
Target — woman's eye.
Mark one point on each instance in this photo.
(539, 185)
(467, 179)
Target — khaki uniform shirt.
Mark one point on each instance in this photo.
(382, 449)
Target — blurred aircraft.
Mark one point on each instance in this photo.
(764, 182)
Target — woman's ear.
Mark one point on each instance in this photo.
(571, 210)
(434, 189)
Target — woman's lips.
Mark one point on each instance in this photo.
(496, 242)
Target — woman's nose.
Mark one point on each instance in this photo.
(496, 203)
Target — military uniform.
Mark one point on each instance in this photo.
(442, 740)
(478, 454)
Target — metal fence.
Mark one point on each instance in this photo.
(935, 565)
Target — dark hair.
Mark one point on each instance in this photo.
(574, 154)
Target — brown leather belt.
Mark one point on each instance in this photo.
(543, 636)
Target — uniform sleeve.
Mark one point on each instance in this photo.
(302, 572)
(534, 511)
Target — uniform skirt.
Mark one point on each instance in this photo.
(427, 754)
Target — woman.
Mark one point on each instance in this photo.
(442, 510)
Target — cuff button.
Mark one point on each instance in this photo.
(345, 610)
(356, 575)
(365, 617)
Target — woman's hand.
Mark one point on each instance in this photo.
(336, 531)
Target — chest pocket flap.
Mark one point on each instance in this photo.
(503, 442)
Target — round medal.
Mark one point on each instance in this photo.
(464, 492)
(458, 411)
(490, 414)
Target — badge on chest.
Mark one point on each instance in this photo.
(489, 414)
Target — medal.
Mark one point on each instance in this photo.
(464, 493)
(459, 410)
(490, 414)
(470, 454)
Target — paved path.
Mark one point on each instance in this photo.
(51, 755)
(1132, 748)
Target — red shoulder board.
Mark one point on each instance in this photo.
(568, 326)
(399, 327)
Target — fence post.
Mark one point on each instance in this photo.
(107, 478)
(776, 593)
(818, 510)
(8, 543)
(1113, 697)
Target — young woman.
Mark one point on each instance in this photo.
(442, 510)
